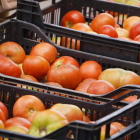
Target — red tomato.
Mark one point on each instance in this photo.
(68, 76)
(31, 117)
(137, 38)
(4, 109)
(71, 43)
(29, 77)
(81, 27)
(13, 51)
(8, 67)
(45, 50)
(2, 116)
(135, 30)
(71, 18)
(100, 20)
(26, 105)
(85, 118)
(100, 87)
(108, 30)
(83, 86)
(130, 21)
(36, 66)
(90, 69)
(17, 121)
(65, 60)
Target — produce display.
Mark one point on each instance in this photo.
(33, 119)
(104, 24)
(42, 65)
(36, 115)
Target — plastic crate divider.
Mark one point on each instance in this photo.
(30, 11)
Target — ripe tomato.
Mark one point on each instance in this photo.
(100, 87)
(8, 67)
(135, 30)
(17, 121)
(29, 77)
(31, 116)
(71, 43)
(137, 38)
(13, 51)
(108, 30)
(90, 69)
(71, 18)
(130, 21)
(65, 60)
(71, 112)
(83, 86)
(100, 20)
(45, 50)
(2, 116)
(113, 130)
(81, 27)
(26, 105)
(36, 66)
(85, 118)
(4, 109)
(68, 76)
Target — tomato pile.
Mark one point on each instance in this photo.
(103, 24)
(30, 117)
(42, 65)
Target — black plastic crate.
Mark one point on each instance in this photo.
(77, 130)
(96, 44)
(27, 34)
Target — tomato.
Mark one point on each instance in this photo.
(118, 125)
(17, 121)
(137, 38)
(71, 112)
(100, 87)
(29, 77)
(135, 30)
(8, 67)
(124, 38)
(90, 69)
(36, 66)
(85, 118)
(13, 51)
(83, 86)
(68, 76)
(45, 50)
(122, 32)
(56, 85)
(113, 130)
(2, 116)
(26, 105)
(108, 30)
(71, 43)
(31, 116)
(131, 99)
(18, 129)
(117, 25)
(81, 27)
(100, 20)
(71, 18)
(119, 77)
(1, 127)
(4, 109)
(65, 60)
(130, 21)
